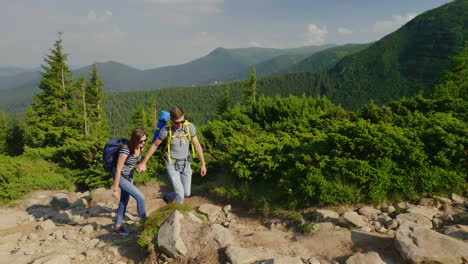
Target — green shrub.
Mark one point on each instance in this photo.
(20, 175)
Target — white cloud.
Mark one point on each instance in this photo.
(397, 21)
(316, 35)
(344, 31)
(94, 18)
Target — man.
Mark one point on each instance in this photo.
(179, 134)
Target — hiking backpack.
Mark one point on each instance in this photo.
(111, 152)
(164, 117)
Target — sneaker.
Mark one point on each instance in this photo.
(165, 199)
(122, 231)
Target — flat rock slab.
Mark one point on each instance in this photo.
(368, 258)
(415, 218)
(418, 244)
(210, 210)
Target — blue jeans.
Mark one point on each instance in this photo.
(126, 189)
(180, 175)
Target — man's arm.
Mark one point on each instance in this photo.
(199, 150)
(142, 166)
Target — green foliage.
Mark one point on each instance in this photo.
(153, 222)
(250, 89)
(20, 175)
(455, 81)
(15, 138)
(3, 132)
(52, 117)
(330, 156)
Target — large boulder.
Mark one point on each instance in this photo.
(210, 210)
(426, 211)
(240, 255)
(414, 218)
(169, 239)
(352, 218)
(418, 244)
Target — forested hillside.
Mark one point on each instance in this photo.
(407, 61)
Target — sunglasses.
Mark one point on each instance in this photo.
(180, 122)
(143, 141)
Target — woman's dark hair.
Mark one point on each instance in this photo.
(137, 135)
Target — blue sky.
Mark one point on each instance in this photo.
(150, 33)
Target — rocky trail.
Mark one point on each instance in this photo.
(61, 227)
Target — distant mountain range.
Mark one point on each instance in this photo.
(220, 65)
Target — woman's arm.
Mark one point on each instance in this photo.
(118, 171)
(142, 166)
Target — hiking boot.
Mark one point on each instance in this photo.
(165, 199)
(122, 232)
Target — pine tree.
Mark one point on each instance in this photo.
(250, 86)
(52, 119)
(224, 102)
(95, 101)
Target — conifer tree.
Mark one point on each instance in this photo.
(250, 86)
(224, 102)
(52, 118)
(95, 102)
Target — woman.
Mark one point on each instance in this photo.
(129, 156)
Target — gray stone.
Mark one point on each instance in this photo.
(227, 208)
(221, 235)
(87, 229)
(313, 260)
(389, 209)
(437, 222)
(70, 235)
(353, 218)
(418, 244)
(286, 260)
(426, 202)
(239, 255)
(56, 258)
(457, 198)
(324, 226)
(369, 211)
(92, 253)
(367, 258)
(428, 212)
(323, 215)
(46, 225)
(415, 218)
(210, 210)
(403, 205)
(443, 200)
(169, 239)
